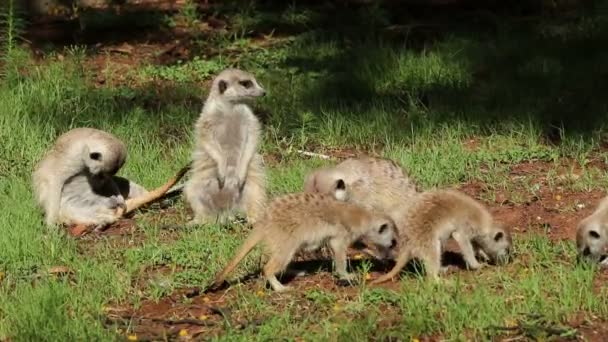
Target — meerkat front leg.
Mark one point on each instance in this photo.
(338, 247)
(249, 148)
(468, 253)
(214, 150)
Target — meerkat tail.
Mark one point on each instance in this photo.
(253, 239)
(400, 263)
(138, 202)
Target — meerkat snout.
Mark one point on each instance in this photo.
(591, 243)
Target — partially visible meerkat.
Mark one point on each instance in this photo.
(75, 182)
(435, 216)
(227, 173)
(377, 183)
(592, 235)
(307, 221)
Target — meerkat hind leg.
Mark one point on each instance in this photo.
(254, 194)
(275, 264)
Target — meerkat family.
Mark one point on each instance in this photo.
(365, 199)
(75, 182)
(307, 221)
(227, 173)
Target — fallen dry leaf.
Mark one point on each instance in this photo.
(60, 270)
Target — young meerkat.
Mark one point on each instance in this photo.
(227, 172)
(75, 182)
(377, 183)
(307, 221)
(435, 216)
(592, 235)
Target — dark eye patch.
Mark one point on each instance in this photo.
(498, 236)
(222, 85)
(340, 185)
(594, 234)
(383, 228)
(95, 156)
(246, 83)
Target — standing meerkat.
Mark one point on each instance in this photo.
(307, 221)
(227, 172)
(592, 235)
(435, 216)
(377, 183)
(75, 182)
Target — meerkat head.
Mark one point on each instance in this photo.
(381, 240)
(236, 86)
(495, 245)
(326, 181)
(592, 240)
(103, 160)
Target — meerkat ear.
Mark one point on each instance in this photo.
(340, 185)
(222, 85)
(95, 155)
(498, 236)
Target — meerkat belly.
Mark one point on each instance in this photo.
(80, 203)
(231, 136)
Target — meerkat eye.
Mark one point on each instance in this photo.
(340, 185)
(383, 228)
(594, 234)
(95, 156)
(222, 85)
(498, 236)
(246, 83)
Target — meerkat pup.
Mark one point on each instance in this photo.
(75, 182)
(433, 218)
(376, 183)
(307, 221)
(227, 172)
(592, 235)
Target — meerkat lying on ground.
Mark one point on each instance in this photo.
(376, 183)
(227, 172)
(434, 217)
(75, 182)
(592, 235)
(306, 221)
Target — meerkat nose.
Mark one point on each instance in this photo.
(586, 251)
(263, 92)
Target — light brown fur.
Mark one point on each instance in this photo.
(75, 182)
(306, 221)
(377, 183)
(435, 216)
(227, 172)
(592, 234)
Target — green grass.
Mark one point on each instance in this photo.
(415, 98)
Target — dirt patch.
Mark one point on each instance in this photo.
(544, 208)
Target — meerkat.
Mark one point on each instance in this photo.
(433, 218)
(227, 173)
(307, 221)
(75, 182)
(592, 235)
(376, 183)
